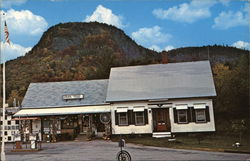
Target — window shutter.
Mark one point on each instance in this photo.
(192, 112)
(131, 117)
(175, 115)
(116, 118)
(146, 116)
(207, 114)
(189, 117)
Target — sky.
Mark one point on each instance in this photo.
(155, 24)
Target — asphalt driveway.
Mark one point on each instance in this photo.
(99, 150)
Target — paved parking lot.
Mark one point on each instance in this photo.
(99, 150)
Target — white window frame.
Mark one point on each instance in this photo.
(178, 116)
(204, 114)
(119, 119)
(136, 115)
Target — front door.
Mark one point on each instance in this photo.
(161, 120)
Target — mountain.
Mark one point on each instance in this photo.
(79, 51)
(215, 54)
(75, 51)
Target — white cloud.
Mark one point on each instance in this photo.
(186, 12)
(159, 49)
(105, 15)
(25, 22)
(149, 36)
(13, 51)
(10, 3)
(155, 48)
(230, 19)
(242, 45)
(169, 47)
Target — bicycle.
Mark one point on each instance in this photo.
(123, 155)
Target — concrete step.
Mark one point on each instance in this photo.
(162, 135)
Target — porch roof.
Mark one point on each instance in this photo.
(62, 111)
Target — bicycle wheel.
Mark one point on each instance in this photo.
(123, 156)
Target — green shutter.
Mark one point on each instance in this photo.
(175, 115)
(131, 117)
(193, 114)
(116, 118)
(207, 114)
(189, 117)
(146, 116)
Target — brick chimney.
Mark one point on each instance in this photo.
(164, 57)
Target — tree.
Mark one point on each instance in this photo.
(14, 98)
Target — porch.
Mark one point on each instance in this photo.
(55, 124)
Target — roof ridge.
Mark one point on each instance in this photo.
(70, 81)
(161, 64)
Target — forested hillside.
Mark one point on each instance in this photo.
(80, 51)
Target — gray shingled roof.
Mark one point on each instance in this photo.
(161, 81)
(50, 94)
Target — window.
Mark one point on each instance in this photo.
(17, 121)
(200, 115)
(46, 123)
(9, 138)
(1, 122)
(5, 133)
(139, 118)
(9, 122)
(68, 123)
(123, 118)
(182, 116)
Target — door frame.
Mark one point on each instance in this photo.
(166, 119)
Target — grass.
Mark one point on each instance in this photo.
(209, 143)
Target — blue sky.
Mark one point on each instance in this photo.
(155, 24)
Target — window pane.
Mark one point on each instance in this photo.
(200, 116)
(182, 116)
(139, 118)
(123, 114)
(46, 124)
(123, 119)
